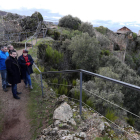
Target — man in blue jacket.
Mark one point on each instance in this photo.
(3, 56)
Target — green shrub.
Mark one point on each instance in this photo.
(55, 81)
(85, 52)
(63, 89)
(77, 95)
(131, 120)
(105, 52)
(53, 33)
(111, 115)
(89, 102)
(53, 56)
(74, 82)
(134, 35)
(126, 75)
(104, 41)
(101, 29)
(87, 27)
(70, 33)
(38, 15)
(41, 68)
(69, 22)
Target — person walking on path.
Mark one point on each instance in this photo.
(25, 61)
(3, 56)
(13, 72)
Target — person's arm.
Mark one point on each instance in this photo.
(31, 60)
(20, 62)
(8, 66)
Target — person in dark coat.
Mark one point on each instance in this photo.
(25, 61)
(13, 72)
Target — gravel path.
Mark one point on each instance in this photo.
(16, 124)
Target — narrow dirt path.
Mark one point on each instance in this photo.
(16, 124)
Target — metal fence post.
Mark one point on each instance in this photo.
(32, 43)
(25, 45)
(41, 84)
(19, 37)
(26, 35)
(80, 93)
(36, 38)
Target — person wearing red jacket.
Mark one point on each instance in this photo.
(25, 61)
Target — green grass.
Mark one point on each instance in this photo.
(27, 41)
(40, 110)
(111, 115)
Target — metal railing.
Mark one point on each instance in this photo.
(36, 34)
(81, 72)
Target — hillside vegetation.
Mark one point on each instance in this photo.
(95, 50)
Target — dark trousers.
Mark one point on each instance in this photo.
(27, 80)
(14, 90)
(4, 78)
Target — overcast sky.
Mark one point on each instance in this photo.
(113, 14)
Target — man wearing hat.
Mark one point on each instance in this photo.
(25, 61)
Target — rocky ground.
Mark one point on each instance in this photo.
(69, 125)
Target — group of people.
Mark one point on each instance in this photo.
(13, 69)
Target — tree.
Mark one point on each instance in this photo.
(87, 27)
(69, 22)
(86, 52)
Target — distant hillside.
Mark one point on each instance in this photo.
(2, 13)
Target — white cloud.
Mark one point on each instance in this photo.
(56, 17)
(122, 23)
(116, 11)
(135, 25)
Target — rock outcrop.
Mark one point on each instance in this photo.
(25, 23)
(62, 128)
(15, 28)
(69, 125)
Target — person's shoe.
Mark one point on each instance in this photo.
(19, 93)
(16, 97)
(5, 90)
(31, 87)
(26, 86)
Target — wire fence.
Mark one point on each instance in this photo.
(113, 126)
(81, 103)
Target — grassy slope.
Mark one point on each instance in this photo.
(39, 109)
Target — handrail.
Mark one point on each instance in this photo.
(97, 75)
(36, 67)
(33, 35)
(81, 71)
(112, 80)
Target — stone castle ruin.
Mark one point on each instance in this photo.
(14, 27)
